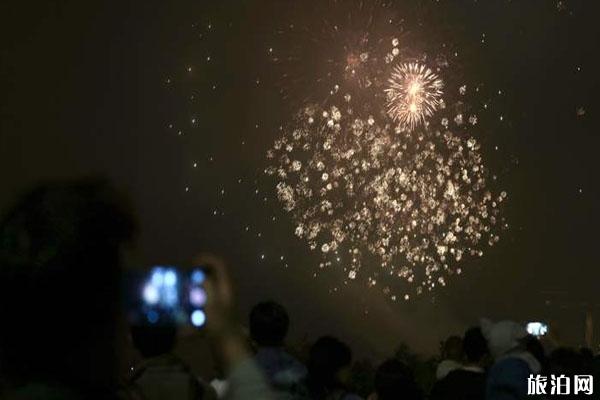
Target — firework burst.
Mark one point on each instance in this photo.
(345, 42)
(385, 206)
(413, 94)
(376, 186)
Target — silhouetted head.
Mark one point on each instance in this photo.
(452, 348)
(153, 341)
(474, 345)
(60, 250)
(566, 361)
(328, 365)
(503, 337)
(394, 380)
(269, 323)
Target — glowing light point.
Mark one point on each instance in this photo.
(197, 297)
(170, 278)
(151, 295)
(198, 276)
(198, 318)
(157, 277)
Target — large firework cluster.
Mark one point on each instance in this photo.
(379, 187)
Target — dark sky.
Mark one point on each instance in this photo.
(84, 91)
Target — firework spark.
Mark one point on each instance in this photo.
(413, 94)
(372, 183)
(350, 41)
(384, 205)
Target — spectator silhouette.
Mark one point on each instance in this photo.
(467, 382)
(329, 370)
(568, 361)
(162, 375)
(269, 323)
(394, 380)
(60, 271)
(534, 346)
(60, 248)
(451, 356)
(507, 378)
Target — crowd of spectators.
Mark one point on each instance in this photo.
(61, 260)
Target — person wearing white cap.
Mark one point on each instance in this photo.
(507, 378)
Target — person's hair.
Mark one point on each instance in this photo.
(568, 361)
(328, 356)
(153, 341)
(269, 323)
(394, 380)
(474, 345)
(452, 348)
(60, 248)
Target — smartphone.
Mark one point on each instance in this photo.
(537, 328)
(167, 295)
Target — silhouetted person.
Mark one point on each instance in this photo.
(507, 378)
(395, 381)
(162, 375)
(451, 356)
(571, 362)
(564, 360)
(269, 323)
(60, 249)
(329, 370)
(534, 346)
(468, 381)
(60, 268)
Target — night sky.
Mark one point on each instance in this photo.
(105, 88)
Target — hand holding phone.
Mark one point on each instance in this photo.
(222, 325)
(168, 295)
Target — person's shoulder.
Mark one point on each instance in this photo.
(288, 361)
(445, 367)
(509, 372)
(509, 364)
(208, 391)
(273, 354)
(462, 373)
(292, 360)
(467, 380)
(350, 396)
